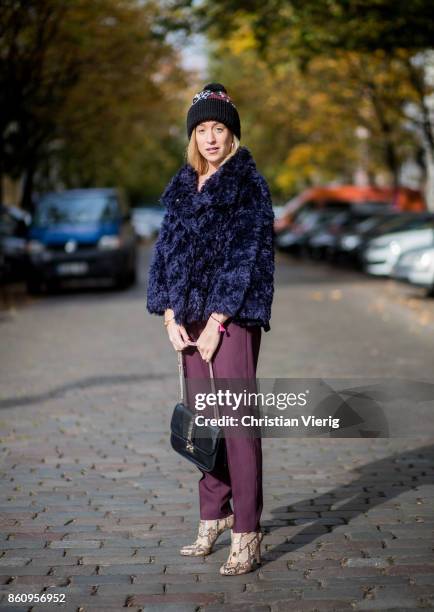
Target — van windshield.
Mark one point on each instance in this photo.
(57, 209)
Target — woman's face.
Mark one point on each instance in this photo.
(214, 141)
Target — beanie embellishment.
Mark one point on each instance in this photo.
(207, 93)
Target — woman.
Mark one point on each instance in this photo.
(212, 277)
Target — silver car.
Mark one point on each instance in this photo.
(406, 262)
(382, 253)
(422, 270)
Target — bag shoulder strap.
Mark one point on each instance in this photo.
(182, 381)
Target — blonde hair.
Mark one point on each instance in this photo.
(195, 158)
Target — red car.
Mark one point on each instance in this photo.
(401, 199)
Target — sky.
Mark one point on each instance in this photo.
(194, 54)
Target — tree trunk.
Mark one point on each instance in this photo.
(391, 156)
(1, 171)
(429, 183)
(26, 197)
(417, 79)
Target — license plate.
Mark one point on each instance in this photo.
(73, 267)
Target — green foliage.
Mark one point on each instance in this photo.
(309, 27)
(90, 94)
(310, 76)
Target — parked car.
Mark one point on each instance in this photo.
(81, 233)
(401, 199)
(352, 243)
(14, 227)
(422, 270)
(147, 220)
(305, 224)
(382, 253)
(405, 262)
(325, 242)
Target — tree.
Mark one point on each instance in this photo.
(307, 28)
(83, 87)
(398, 35)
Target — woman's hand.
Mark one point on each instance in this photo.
(178, 336)
(208, 340)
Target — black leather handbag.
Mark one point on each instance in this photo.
(203, 449)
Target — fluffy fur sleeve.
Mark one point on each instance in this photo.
(247, 229)
(157, 291)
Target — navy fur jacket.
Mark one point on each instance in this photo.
(215, 249)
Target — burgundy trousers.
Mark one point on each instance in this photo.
(239, 478)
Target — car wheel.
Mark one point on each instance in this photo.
(33, 287)
(121, 281)
(133, 277)
(53, 286)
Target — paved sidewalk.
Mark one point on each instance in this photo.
(95, 505)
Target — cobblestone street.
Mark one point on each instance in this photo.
(95, 504)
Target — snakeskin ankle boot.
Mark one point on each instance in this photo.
(245, 553)
(208, 533)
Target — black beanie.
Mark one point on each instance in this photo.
(213, 102)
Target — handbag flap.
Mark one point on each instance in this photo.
(203, 437)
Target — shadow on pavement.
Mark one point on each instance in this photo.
(378, 482)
